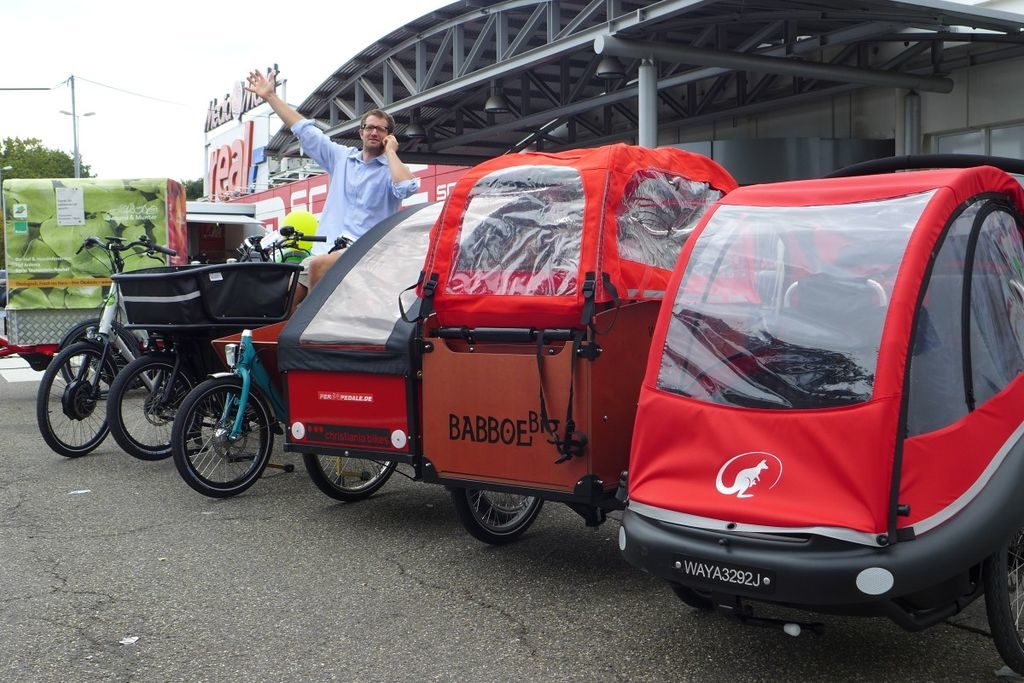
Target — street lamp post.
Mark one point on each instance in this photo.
(75, 117)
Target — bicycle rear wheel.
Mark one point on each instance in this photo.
(1003, 576)
(143, 401)
(495, 517)
(206, 457)
(69, 410)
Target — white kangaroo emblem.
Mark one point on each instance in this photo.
(744, 480)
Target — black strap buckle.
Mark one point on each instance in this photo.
(430, 286)
(589, 290)
(426, 304)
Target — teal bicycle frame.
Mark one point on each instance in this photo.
(249, 368)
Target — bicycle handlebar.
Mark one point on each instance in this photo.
(291, 233)
(163, 250)
(116, 244)
(89, 243)
(340, 243)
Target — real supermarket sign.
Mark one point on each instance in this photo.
(230, 163)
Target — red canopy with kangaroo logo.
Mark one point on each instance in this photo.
(839, 357)
(526, 239)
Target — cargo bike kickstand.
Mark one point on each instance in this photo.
(222, 436)
(79, 377)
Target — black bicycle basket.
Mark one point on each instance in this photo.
(226, 294)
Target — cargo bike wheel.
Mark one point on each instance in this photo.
(1003, 576)
(345, 478)
(143, 401)
(495, 517)
(208, 459)
(69, 410)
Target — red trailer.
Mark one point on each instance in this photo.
(831, 416)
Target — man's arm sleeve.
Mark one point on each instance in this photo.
(405, 188)
(316, 145)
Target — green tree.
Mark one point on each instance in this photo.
(28, 158)
(31, 159)
(193, 188)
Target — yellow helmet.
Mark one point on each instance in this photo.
(302, 221)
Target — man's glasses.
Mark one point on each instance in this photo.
(370, 128)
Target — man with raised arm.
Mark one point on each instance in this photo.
(367, 185)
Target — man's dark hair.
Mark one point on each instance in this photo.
(381, 114)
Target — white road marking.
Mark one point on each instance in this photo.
(14, 369)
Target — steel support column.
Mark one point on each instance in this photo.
(647, 98)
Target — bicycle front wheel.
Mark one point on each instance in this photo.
(208, 459)
(85, 331)
(69, 408)
(143, 401)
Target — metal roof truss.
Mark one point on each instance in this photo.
(714, 59)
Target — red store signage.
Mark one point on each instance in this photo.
(229, 164)
(311, 194)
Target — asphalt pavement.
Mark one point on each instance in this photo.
(112, 569)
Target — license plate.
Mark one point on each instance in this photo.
(720, 574)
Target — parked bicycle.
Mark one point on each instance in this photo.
(223, 434)
(287, 245)
(146, 396)
(78, 379)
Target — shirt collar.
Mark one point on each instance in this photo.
(357, 155)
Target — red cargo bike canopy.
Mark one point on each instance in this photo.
(809, 375)
(525, 239)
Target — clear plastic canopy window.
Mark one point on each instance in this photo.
(783, 307)
(658, 213)
(521, 234)
(996, 313)
(363, 308)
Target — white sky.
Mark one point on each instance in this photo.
(185, 52)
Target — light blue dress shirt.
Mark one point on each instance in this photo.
(361, 193)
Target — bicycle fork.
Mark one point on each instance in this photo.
(249, 369)
(83, 393)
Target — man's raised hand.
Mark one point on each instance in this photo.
(260, 84)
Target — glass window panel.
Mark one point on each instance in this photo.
(971, 142)
(1007, 142)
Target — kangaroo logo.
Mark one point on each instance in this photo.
(748, 477)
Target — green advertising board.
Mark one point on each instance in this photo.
(47, 221)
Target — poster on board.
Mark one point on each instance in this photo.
(48, 219)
